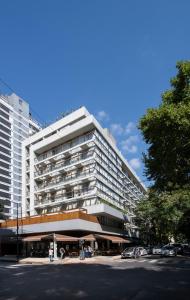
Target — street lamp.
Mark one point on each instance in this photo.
(17, 240)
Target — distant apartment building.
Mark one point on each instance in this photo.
(74, 164)
(16, 125)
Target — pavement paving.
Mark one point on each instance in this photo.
(147, 278)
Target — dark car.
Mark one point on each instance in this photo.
(179, 248)
(186, 250)
(168, 251)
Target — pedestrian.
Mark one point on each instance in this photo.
(62, 253)
(136, 252)
(50, 254)
(90, 251)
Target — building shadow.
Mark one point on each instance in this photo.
(92, 281)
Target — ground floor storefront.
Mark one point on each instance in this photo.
(38, 245)
(74, 231)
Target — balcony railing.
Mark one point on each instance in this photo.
(65, 163)
(65, 179)
(65, 196)
(66, 146)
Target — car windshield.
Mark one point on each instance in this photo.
(129, 249)
(168, 248)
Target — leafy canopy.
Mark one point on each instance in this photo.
(166, 130)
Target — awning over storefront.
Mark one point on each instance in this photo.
(34, 238)
(50, 237)
(60, 238)
(89, 238)
(113, 239)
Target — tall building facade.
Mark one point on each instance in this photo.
(16, 125)
(74, 164)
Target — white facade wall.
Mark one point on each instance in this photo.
(75, 164)
(15, 126)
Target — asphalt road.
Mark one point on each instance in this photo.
(145, 278)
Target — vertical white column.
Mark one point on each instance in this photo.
(23, 180)
(54, 247)
(32, 181)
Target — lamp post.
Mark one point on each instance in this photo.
(17, 241)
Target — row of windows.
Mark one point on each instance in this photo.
(4, 108)
(5, 136)
(2, 142)
(108, 149)
(3, 114)
(5, 158)
(5, 195)
(5, 151)
(4, 179)
(72, 143)
(8, 124)
(5, 129)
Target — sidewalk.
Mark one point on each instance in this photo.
(67, 260)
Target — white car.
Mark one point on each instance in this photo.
(143, 251)
(156, 250)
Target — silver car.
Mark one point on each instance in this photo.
(133, 252)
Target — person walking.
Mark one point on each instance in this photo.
(62, 253)
(50, 254)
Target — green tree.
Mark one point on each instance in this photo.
(163, 216)
(166, 130)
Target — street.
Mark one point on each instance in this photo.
(106, 278)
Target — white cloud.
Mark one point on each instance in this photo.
(130, 127)
(128, 145)
(135, 163)
(116, 129)
(102, 116)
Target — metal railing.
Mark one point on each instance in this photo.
(65, 163)
(65, 179)
(64, 196)
(67, 146)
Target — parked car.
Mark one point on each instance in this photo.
(143, 251)
(149, 249)
(133, 252)
(186, 250)
(157, 249)
(179, 247)
(169, 251)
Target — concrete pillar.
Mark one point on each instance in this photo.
(54, 247)
(108, 244)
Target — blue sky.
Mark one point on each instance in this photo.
(114, 57)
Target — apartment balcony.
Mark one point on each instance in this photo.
(67, 148)
(66, 180)
(66, 164)
(65, 198)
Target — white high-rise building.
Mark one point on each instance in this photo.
(74, 164)
(16, 125)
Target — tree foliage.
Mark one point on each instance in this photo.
(166, 130)
(164, 216)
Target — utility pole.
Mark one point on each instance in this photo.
(17, 241)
